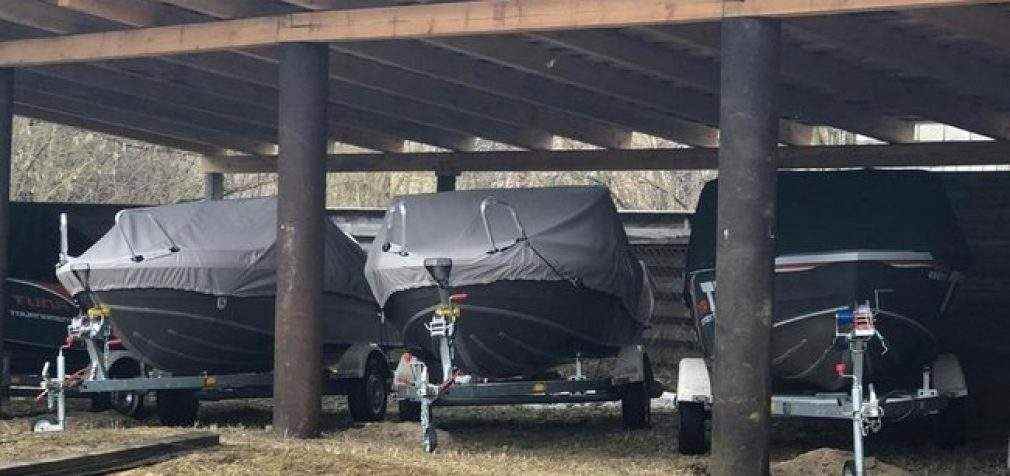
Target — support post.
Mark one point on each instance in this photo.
(6, 149)
(745, 260)
(302, 138)
(213, 185)
(445, 183)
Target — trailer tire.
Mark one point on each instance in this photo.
(408, 410)
(128, 403)
(636, 403)
(177, 407)
(369, 395)
(692, 439)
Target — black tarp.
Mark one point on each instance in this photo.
(848, 210)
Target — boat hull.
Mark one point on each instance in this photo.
(36, 327)
(189, 333)
(518, 328)
(909, 300)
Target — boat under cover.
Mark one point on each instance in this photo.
(547, 272)
(191, 287)
(889, 239)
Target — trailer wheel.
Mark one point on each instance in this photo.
(369, 394)
(692, 439)
(408, 410)
(131, 403)
(636, 404)
(177, 407)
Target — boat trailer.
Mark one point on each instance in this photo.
(942, 382)
(178, 397)
(630, 382)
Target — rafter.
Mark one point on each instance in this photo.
(419, 21)
(906, 155)
(847, 82)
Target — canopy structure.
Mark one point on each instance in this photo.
(270, 85)
(202, 75)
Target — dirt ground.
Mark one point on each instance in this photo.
(585, 439)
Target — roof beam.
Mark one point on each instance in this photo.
(863, 38)
(895, 155)
(260, 68)
(420, 21)
(704, 75)
(847, 83)
(60, 117)
(983, 24)
(128, 120)
(510, 83)
(435, 91)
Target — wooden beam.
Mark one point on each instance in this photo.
(399, 81)
(132, 12)
(97, 125)
(118, 458)
(514, 84)
(894, 155)
(422, 21)
(918, 57)
(703, 75)
(138, 120)
(986, 24)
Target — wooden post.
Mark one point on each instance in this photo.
(302, 137)
(745, 259)
(213, 185)
(6, 148)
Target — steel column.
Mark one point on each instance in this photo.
(6, 148)
(445, 183)
(745, 260)
(213, 185)
(302, 138)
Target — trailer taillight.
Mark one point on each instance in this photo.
(702, 307)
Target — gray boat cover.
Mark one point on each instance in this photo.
(573, 234)
(224, 248)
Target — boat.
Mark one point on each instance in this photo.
(888, 239)
(190, 288)
(547, 275)
(38, 308)
(36, 326)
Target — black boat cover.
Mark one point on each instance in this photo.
(572, 234)
(848, 210)
(216, 247)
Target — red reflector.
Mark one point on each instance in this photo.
(459, 297)
(840, 369)
(115, 344)
(701, 307)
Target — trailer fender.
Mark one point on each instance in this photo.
(693, 383)
(630, 365)
(948, 377)
(352, 363)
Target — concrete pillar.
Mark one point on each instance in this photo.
(302, 138)
(6, 146)
(445, 183)
(213, 185)
(745, 262)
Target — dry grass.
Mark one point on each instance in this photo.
(502, 440)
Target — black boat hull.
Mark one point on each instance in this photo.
(36, 327)
(188, 333)
(910, 302)
(518, 328)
